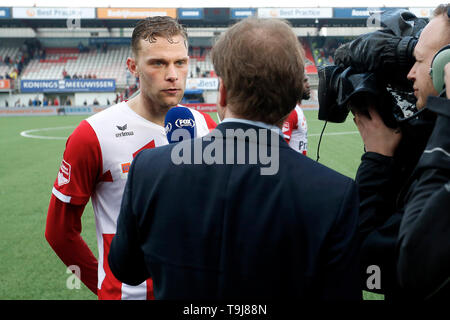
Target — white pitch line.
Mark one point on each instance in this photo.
(27, 134)
(333, 133)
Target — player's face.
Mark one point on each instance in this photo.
(306, 89)
(430, 41)
(162, 67)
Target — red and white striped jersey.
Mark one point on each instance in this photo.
(95, 165)
(295, 130)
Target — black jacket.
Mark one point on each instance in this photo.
(383, 183)
(224, 231)
(424, 238)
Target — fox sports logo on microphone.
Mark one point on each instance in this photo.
(181, 123)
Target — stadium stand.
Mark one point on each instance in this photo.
(75, 61)
(310, 66)
(200, 64)
(62, 63)
(7, 58)
(323, 48)
(108, 64)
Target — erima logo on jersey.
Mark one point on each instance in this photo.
(122, 128)
(123, 133)
(64, 173)
(180, 123)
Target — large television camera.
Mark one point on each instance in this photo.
(371, 71)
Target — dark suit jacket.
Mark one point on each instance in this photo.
(222, 231)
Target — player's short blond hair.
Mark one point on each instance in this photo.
(160, 26)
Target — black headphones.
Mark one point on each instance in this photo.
(441, 58)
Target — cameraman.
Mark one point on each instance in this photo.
(405, 222)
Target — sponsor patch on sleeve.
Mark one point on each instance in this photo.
(64, 173)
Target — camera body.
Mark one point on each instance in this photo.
(371, 71)
(342, 90)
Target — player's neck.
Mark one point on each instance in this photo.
(148, 110)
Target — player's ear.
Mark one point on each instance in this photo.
(132, 66)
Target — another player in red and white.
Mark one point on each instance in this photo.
(99, 152)
(295, 128)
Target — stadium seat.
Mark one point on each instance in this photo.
(103, 65)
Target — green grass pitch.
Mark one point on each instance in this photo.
(29, 269)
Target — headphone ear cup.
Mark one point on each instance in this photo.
(438, 63)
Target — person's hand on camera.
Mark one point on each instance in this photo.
(447, 79)
(377, 137)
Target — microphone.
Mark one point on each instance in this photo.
(179, 124)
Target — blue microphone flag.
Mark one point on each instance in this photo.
(179, 124)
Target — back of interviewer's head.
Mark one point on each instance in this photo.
(261, 64)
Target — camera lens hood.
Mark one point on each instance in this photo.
(352, 83)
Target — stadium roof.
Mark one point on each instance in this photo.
(224, 3)
(115, 17)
